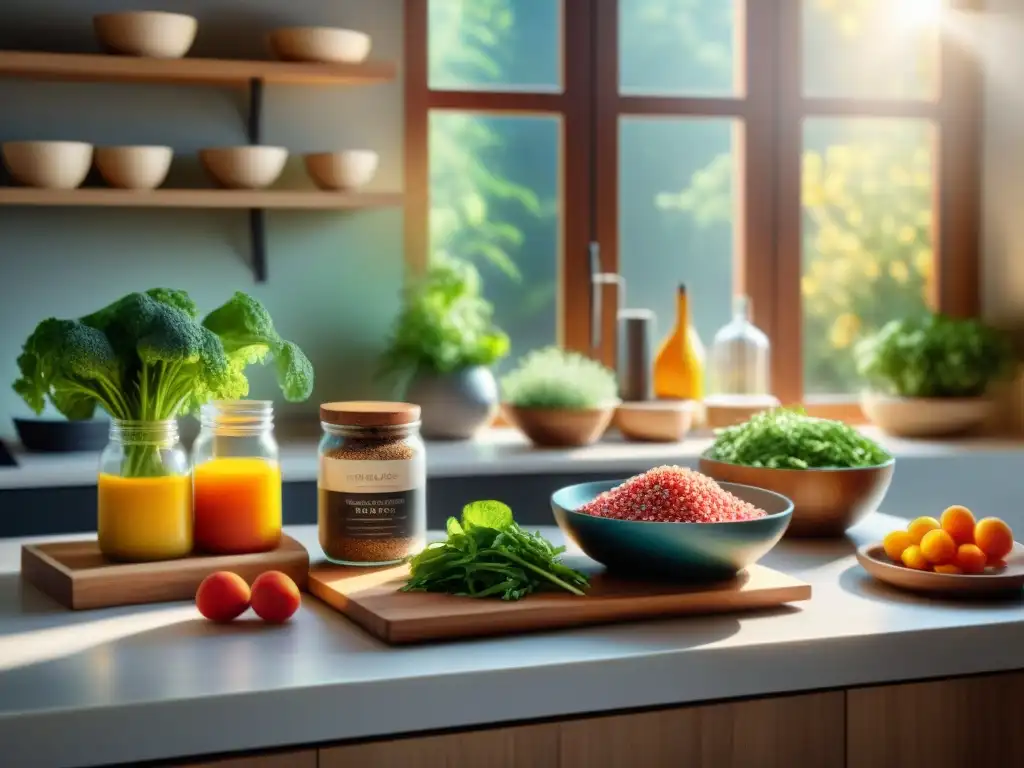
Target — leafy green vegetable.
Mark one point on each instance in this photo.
(555, 378)
(445, 324)
(790, 439)
(934, 356)
(147, 358)
(489, 555)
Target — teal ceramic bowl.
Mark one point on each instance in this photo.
(677, 551)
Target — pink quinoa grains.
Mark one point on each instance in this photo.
(671, 495)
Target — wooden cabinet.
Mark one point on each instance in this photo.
(305, 758)
(532, 746)
(765, 733)
(941, 724)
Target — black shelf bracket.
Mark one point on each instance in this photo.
(257, 216)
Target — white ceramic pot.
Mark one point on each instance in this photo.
(134, 167)
(48, 164)
(253, 167)
(925, 416)
(348, 169)
(330, 45)
(154, 34)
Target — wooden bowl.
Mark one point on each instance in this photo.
(48, 164)
(155, 34)
(134, 167)
(348, 169)
(561, 427)
(331, 45)
(873, 559)
(925, 416)
(252, 167)
(678, 551)
(825, 501)
(655, 421)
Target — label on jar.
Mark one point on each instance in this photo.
(373, 499)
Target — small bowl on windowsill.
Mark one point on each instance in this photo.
(561, 427)
(655, 421)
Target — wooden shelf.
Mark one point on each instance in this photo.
(103, 67)
(199, 198)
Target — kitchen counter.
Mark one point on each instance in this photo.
(155, 682)
(501, 451)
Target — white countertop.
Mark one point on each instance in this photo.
(154, 682)
(496, 452)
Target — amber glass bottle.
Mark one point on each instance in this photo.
(679, 365)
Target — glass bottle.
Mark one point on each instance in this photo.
(372, 483)
(144, 493)
(237, 478)
(679, 364)
(740, 355)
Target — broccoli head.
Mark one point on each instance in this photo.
(147, 357)
(248, 335)
(72, 364)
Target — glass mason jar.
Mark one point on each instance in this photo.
(237, 478)
(145, 493)
(372, 483)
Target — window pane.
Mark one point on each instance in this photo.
(678, 47)
(871, 48)
(495, 45)
(676, 218)
(867, 238)
(494, 200)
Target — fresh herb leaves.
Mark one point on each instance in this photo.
(790, 439)
(488, 555)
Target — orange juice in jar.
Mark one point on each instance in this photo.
(144, 499)
(237, 479)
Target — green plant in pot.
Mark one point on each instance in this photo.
(560, 398)
(930, 376)
(442, 345)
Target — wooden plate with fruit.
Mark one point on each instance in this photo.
(951, 555)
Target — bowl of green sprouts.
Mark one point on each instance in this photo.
(931, 376)
(560, 398)
(834, 475)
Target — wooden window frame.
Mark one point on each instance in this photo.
(770, 109)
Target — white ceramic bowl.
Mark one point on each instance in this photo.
(348, 169)
(320, 44)
(925, 416)
(252, 167)
(155, 34)
(134, 167)
(48, 164)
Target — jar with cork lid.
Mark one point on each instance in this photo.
(372, 483)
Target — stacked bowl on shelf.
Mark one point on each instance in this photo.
(161, 35)
(65, 164)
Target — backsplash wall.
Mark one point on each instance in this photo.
(334, 277)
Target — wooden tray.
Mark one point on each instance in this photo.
(77, 576)
(1010, 579)
(371, 599)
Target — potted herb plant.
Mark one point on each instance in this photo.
(930, 376)
(443, 344)
(560, 398)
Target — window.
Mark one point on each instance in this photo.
(818, 155)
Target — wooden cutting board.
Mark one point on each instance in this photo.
(77, 576)
(371, 598)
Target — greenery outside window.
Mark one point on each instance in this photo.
(820, 156)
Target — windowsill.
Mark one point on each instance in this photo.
(499, 451)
